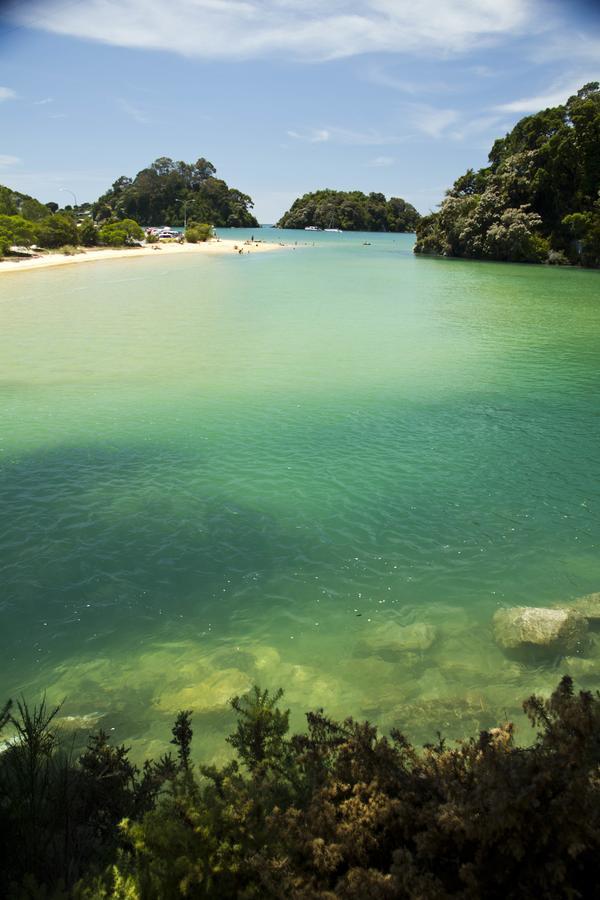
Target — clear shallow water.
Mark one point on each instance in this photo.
(227, 470)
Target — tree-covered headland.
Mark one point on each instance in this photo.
(539, 198)
(169, 192)
(350, 211)
(335, 811)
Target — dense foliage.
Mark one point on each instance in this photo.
(350, 211)
(537, 201)
(121, 233)
(337, 811)
(157, 194)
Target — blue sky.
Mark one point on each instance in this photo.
(283, 96)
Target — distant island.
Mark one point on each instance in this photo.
(350, 211)
(539, 198)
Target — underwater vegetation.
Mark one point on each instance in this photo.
(337, 810)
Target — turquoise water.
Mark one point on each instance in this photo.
(216, 471)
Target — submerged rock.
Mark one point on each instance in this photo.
(392, 639)
(209, 695)
(538, 630)
(579, 667)
(85, 722)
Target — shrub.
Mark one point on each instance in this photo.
(15, 230)
(336, 811)
(198, 233)
(119, 234)
(88, 233)
(68, 250)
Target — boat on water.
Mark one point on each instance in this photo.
(331, 228)
(312, 228)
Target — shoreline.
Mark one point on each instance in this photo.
(215, 247)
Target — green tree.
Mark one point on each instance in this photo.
(123, 233)
(88, 233)
(547, 167)
(57, 230)
(157, 194)
(350, 211)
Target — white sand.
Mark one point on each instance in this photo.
(209, 248)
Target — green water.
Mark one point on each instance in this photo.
(233, 469)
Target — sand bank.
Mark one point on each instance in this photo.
(209, 248)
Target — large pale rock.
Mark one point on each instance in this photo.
(539, 630)
(392, 639)
(589, 607)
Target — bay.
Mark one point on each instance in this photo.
(229, 470)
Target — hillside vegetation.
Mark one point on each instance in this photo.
(350, 211)
(539, 198)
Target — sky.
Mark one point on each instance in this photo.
(282, 96)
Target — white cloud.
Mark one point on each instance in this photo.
(315, 136)
(381, 162)
(43, 102)
(133, 112)
(7, 94)
(334, 134)
(304, 29)
(6, 160)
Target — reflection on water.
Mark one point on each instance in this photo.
(229, 471)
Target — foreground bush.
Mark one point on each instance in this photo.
(337, 811)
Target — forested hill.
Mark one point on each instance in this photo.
(350, 211)
(539, 198)
(13, 203)
(157, 194)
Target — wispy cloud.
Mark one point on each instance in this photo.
(558, 93)
(6, 160)
(381, 162)
(379, 74)
(7, 94)
(431, 120)
(479, 127)
(133, 112)
(43, 102)
(304, 29)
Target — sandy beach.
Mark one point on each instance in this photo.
(210, 248)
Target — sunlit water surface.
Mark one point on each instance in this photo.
(228, 470)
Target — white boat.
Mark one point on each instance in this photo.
(312, 228)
